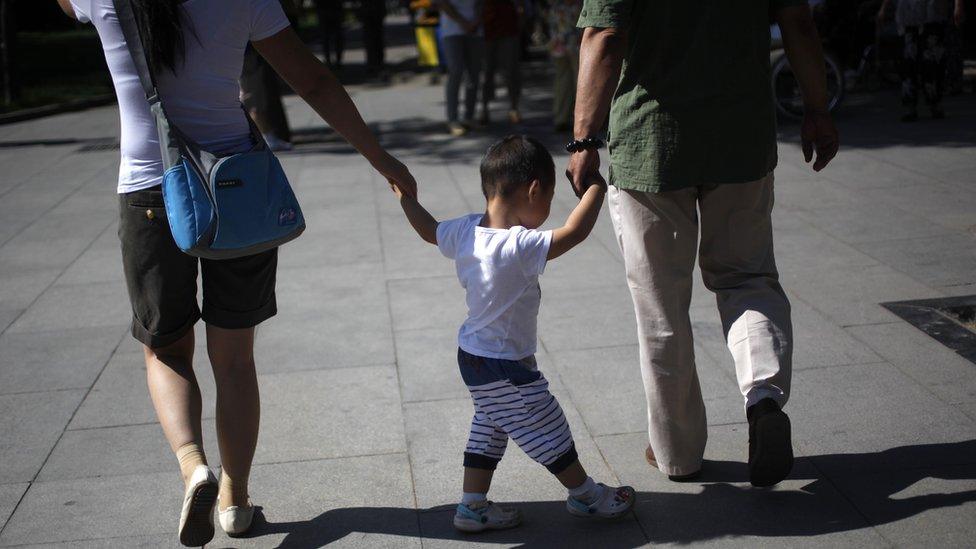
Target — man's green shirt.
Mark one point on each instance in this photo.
(694, 105)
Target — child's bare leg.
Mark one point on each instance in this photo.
(477, 481)
(571, 477)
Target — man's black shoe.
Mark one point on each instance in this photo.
(770, 446)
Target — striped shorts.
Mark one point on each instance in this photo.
(512, 400)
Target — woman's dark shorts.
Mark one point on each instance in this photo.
(162, 280)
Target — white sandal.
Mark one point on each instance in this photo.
(196, 518)
(612, 503)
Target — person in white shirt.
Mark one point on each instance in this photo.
(195, 49)
(499, 256)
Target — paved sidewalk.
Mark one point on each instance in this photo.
(364, 414)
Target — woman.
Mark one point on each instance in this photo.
(463, 47)
(196, 50)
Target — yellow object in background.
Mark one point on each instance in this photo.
(426, 46)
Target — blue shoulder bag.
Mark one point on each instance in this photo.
(217, 207)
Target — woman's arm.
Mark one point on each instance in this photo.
(323, 92)
(67, 9)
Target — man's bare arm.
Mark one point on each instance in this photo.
(802, 44)
(601, 57)
(805, 53)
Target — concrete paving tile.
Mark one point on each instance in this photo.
(328, 318)
(156, 541)
(94, 508)
(938, 261)
(7, 316)
(304, 504)
(853, 218)
(348, 502)
(121, 396)
(113, 451)
(44, 361)
(968, 408)
(421, 303)
(427, 362)
(438, 430)
(30, 425)
(938, 202)
(102, 304)
(341, 234)
(863, 409)
(852, 297)
(591, 374)
(20, 289)
(819, 342)
(587, 266)
(341, 412)
(102, 262)
(931, 507)
(544, 524)
(10, 495)
(582, 320)
(722, 509)
(942, 371)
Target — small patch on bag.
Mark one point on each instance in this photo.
(287, 216)
(228, 183)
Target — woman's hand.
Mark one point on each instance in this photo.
(397, 175)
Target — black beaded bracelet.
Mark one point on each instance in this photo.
(578, 145)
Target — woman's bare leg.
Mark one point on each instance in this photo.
(238, 409)
(176, 397)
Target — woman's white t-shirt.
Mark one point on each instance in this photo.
(202, 98)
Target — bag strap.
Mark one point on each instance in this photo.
(133, 41)
(201, 161)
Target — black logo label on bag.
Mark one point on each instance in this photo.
(287, 216)
(229, 183)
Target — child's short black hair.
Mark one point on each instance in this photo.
(513, 162)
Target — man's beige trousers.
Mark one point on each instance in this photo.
(658, 235)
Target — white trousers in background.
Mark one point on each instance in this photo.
(658, 236)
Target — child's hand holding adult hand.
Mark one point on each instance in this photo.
(398, 176)
(584, 166)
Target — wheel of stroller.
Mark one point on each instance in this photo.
(786, 90)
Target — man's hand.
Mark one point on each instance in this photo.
(583, 167)
(818, 132)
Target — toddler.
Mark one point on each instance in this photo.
(499, 256)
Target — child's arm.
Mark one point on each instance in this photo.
(420, 219)
(580, 221)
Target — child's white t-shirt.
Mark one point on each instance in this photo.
(499, 270)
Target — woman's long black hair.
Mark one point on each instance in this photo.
(161, 26)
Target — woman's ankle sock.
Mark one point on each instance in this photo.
(190, 456)
(471, 498)
(232, 492)
(586, 492)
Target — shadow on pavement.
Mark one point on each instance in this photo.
(872, 482)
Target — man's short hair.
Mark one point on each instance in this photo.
(513, 162)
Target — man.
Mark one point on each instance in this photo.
(693, 129)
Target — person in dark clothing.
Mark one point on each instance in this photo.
(371, 15)
(501, 25)
(331, 15)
